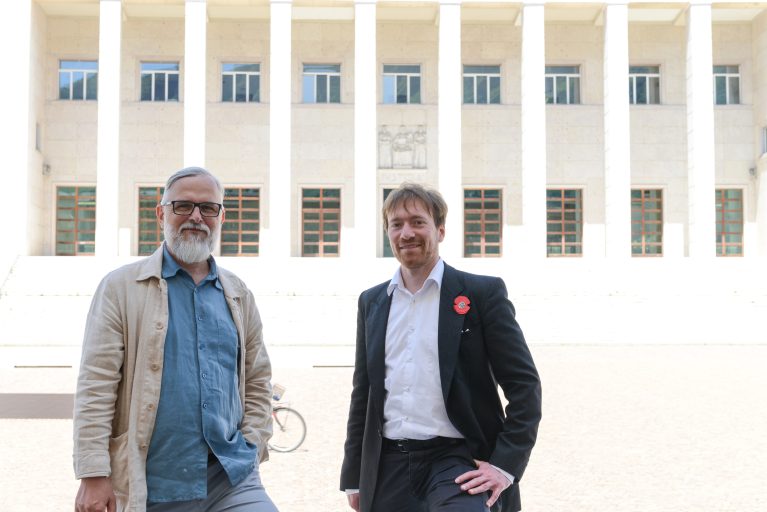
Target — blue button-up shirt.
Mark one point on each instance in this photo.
(199, 409)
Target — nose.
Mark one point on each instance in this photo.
(407, 231)
(196, 215)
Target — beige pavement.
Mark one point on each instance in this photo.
(626, 428)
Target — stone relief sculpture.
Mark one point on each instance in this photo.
(404, 150)
(384, 148)
(419, 141)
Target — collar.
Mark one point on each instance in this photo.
(435, 276)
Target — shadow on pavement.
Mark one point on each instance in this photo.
(36, 405)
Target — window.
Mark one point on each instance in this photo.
(159, 81)
(481, 222)
(563, 84)
(481, 84)
(387, 251)
(78, 79)
(240, 232)
(726, 85)
(150, 234)
(320, 221)
(401, 84)
(644, 85)
(241, 82)
(729, 222)
(75, 221)
(647, 222)
(322, 83)
(564, 222)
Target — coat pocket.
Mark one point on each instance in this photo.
(118, 456)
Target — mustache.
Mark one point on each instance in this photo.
(194, 225)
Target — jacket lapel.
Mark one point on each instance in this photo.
(375, 333)
(450, 325)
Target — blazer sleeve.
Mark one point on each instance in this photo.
(514, 370)
(355, 428)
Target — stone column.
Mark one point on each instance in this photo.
(108, 131)
(362, 242)
(449, 124)
(16, 128)
(701, 227)
(275, 239)
(617, 133)
(533, 243)
(761, 212)
(195, 55)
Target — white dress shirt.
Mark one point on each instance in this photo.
(414, 407)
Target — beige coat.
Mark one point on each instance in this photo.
(118, 388)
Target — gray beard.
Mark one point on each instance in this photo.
(193, 250)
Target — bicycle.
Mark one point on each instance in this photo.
(289, 427)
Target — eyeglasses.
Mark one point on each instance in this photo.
(187, 207)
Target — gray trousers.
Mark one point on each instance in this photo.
(247, 496)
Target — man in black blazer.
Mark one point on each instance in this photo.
(426, 428)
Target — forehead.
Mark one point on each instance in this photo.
(410, 208)
(199, 186)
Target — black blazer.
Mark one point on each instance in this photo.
(478, 351)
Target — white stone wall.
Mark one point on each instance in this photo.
(151, 133)
(732, 44)
(70, 126)
(323, 134)
(491, 150)
(238, 133)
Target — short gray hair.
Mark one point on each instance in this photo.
(187, 172)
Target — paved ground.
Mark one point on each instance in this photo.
(626, 428)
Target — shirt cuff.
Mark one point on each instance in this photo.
(352, 491)
(508, 476)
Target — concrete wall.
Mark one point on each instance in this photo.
(151, 133)
(238, 133)
(322, 134)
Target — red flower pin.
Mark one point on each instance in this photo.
(461, 305)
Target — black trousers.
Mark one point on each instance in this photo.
(424, 481)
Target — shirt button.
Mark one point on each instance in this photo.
(143, 447)
(150, 406)
(158, 326)
(155, 367)
(199, 318)
(204, 375)
(204, 405)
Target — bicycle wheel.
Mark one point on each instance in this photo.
(289, 430)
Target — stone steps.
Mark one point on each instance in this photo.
(309, 305)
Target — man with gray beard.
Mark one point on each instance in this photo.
(173, 403)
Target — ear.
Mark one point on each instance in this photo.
(160, 212)
(441, 231)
